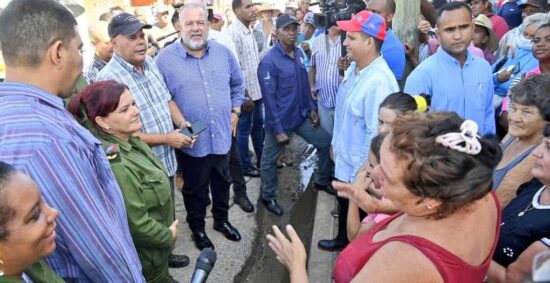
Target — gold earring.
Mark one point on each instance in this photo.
(1, 268)
(429, 206)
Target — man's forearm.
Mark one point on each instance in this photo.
(175, 113)
(153, 139)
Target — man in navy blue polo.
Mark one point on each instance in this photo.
(289, 108)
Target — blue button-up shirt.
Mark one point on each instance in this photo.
(356, 115)
(466, 90)
(206, 89)
(151, 96)
(39, 137)
(285, 89)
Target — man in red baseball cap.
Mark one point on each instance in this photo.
(367, 82)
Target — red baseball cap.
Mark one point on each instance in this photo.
(367, 22)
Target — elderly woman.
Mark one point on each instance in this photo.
(437, 171)
(516, 63)
(525, 227)
(541, 51)
(27, 229)
(526, 118)
(111, 111)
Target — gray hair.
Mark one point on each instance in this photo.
(197, 4)
(537, 19)
(29, 27)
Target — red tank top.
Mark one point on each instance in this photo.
(451, 268)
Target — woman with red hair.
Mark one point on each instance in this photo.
(108, 109)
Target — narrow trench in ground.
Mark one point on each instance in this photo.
(299, 205)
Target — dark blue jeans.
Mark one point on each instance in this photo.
(319, 138)
(251, 124)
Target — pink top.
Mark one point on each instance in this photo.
(451, 268)
(500, 27)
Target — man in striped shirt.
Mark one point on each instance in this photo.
(43, 54)
(324, 76)
(251, 122)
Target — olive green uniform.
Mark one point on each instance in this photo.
(39, 272)
(146, 190)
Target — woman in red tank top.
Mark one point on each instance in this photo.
(437, 171)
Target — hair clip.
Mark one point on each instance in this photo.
(421, 103)
(466, 141)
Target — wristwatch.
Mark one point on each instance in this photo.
(236, 112)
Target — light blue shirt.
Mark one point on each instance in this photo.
(205, 89)
(466, 90)
(356, 116)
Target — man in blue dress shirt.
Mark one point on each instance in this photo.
(43, 53)
(205, 81)
(455, 79)
(289, 108)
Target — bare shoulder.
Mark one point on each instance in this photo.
(398, 262)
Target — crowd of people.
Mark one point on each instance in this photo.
(445, 166)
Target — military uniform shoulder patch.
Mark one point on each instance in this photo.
(113, 153)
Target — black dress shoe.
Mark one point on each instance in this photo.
(332, 245)
(272, 206)
(326, 188)
(252, 172)
(201, 241)
(228, 231)
(244, 203)
(178, 261)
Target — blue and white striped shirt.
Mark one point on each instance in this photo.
(206, 89)
(152, 97)
(39, 137)
(324, 56)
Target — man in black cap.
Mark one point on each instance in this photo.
(131, 66)
(289, 108)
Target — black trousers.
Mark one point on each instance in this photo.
(236, 168)
(202, 175)
(343, 207)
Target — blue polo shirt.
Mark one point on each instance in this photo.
(466, 90)
(285, 90)
(393, 53)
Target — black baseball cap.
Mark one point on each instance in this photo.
(284, 21)
(125, 24)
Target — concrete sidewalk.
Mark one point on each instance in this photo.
(231, 255)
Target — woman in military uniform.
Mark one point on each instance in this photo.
(27, 230)
(109, 110)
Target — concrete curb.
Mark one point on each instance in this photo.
(320, 262)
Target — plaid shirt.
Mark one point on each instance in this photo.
(248, 56)
(94, 69)
(152, 97)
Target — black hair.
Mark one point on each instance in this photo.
(175, 18)
(236, 4)
(6, 172)
(376, 144)
(402, 102)
(390, 6)
(546, 132)
(451, 6)
(378, 44)
(29, 27)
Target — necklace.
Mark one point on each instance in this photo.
(531, 206)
